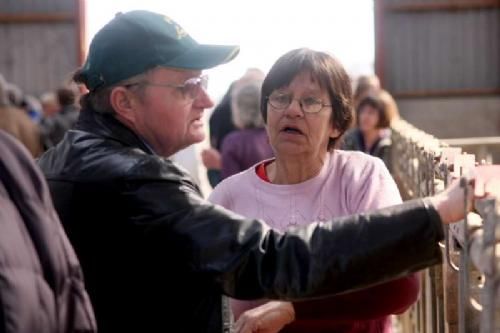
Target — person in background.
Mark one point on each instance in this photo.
(50, 105)
(221, 124)
(371, 134)
(15, 95)
(41, 287)
(56, 125)
(391, 106)
(365, 85)
(16, 122)
(306, 102)
(33, 108)
(248, 144)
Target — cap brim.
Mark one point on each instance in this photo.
(204, 57)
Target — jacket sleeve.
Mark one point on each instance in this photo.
(249, 260)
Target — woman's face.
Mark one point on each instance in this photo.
(291, 131)
(368, 118)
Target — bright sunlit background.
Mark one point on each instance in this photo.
(264, 29)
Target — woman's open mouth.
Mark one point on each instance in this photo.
(292, 130)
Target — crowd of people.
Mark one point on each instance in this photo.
(38, 123)
(300, 234)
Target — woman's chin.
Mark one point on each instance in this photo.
(290, 148)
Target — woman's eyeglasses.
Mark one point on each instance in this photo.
(280, 101)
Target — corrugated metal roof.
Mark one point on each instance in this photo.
(441, 50)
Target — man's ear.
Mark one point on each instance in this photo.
(122, 101)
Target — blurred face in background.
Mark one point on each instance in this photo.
(50, 106)
(369, 118)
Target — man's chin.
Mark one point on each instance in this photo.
(197, 137)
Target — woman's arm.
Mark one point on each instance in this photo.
(393, 297)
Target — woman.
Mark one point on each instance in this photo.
(306, 103)
(372, 134)
(366, 85)
(249, 144)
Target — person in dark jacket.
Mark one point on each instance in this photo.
(372, 135)
(155, 254)
(221, 125)
(41, 283)
(55, 126)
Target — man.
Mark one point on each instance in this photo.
(155, 255)
(55, 125)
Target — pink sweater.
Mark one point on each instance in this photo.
(348, 183)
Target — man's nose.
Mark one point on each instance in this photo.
(203, 100)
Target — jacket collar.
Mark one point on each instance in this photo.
(106, 125)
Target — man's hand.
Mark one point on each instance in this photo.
(211, 158)
(450, 203)
(270, 317)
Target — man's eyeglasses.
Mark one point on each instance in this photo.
(189, 89)
(280, 101)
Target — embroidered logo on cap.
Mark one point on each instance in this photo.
(180, 32)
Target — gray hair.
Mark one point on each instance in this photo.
(245, 105)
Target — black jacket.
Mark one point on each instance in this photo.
(156, 255)
(41, 283)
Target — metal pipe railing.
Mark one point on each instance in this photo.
(423, 165)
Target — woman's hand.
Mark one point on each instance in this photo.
(270, 317)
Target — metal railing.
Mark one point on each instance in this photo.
(459, 295)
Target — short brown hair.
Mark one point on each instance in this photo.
(326, 70)
(365, 85)
(391, 106)
(376, 102)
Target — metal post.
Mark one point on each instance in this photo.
(488, 299)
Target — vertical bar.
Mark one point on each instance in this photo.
(379, 40)
(490, 223)
(463, 290)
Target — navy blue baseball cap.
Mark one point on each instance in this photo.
(134, 42)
